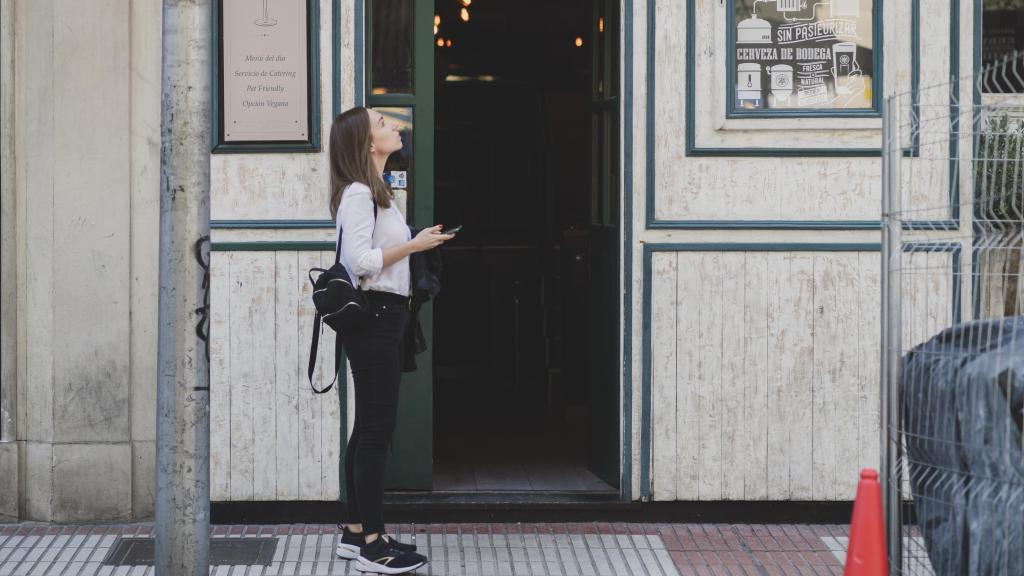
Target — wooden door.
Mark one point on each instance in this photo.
(400, 85)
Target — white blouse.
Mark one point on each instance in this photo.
(363, 240)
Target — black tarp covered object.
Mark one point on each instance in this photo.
(963, 405)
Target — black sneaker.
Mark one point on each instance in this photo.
(385, 557)
(349, 543)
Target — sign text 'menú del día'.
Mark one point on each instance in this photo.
(265, 79)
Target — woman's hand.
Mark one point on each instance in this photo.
(429, 238)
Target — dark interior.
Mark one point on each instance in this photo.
(513, 164)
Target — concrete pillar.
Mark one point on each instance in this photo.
(81, 148)
(145, 265)
(8, 275)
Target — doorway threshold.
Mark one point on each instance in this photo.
(501, 498)
(504, 506)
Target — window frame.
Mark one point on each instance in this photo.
(877, 79)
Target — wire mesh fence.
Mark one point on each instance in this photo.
(953, 326)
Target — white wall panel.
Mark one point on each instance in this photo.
(272, 438)
(764, 369)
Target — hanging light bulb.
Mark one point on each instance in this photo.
(437, 19)
(600, 24)
(464, 14)
(466, 3)
(579, 42)
(440, 42)
(448, 43)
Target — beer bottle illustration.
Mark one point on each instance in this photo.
(266, 20)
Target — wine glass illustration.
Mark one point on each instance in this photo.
(266, 20)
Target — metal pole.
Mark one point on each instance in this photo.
(183, 379)
(892, 252)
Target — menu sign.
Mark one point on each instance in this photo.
(803, 54)
(264, 71)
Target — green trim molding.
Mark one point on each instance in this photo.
(335, 58)
(626, 442)
(273, 246)
(360, 46)
(269, 224)
(219, 146)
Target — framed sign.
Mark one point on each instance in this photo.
(266, 76)
(804, 58)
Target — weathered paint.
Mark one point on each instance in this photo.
(764, 368)
(811, 370)
(271, 438)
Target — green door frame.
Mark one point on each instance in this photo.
(604, 442)
(411, 464)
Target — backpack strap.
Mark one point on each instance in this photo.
(317, 328)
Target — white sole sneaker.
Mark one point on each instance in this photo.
(364, 565)
(347, 551)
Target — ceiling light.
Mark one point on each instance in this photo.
(440, 42)
(579, 42)
(464, 14)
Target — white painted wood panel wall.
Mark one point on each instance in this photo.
(271, 438)
(765, 369)
(764, 365)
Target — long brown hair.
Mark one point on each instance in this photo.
(350, 158)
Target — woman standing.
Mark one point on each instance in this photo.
(375, 248)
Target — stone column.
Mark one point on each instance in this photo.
(8, 276)
(73, 189)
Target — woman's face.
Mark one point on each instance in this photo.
(384, 137)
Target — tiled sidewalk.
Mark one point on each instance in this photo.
(583, 549)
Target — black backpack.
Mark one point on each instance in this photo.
(339, 303)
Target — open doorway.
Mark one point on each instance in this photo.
(525, 341)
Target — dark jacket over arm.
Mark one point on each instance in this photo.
(425, 283)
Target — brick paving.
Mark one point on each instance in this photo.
(513, 549)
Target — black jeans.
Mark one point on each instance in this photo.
(374, 352)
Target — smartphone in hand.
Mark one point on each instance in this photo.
(452, 230)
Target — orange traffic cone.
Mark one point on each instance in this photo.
(866, 554)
